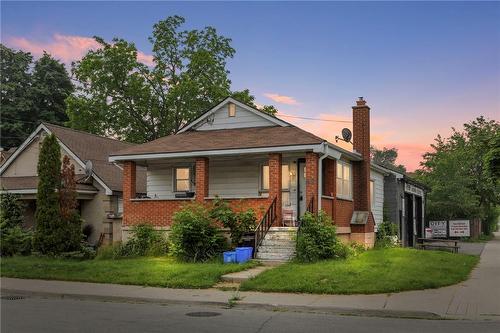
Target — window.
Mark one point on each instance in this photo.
(372, 193)
(232, 110)
(344, 180)
(285, 178)
(119, 208)
(182, 179)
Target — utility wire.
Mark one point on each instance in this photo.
(316, 119)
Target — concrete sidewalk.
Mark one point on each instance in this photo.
(477, 298)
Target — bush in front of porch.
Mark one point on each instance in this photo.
(385, 270)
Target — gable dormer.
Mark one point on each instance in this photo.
(230, 114)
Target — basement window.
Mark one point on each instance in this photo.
(232, 110)
(344, 180)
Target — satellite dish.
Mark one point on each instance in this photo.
(88, 168)
(346, 134)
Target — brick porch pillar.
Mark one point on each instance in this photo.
(312, 160)
(129, 188)
(201, 191)
(275, 184)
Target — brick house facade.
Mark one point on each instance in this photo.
(250, 159)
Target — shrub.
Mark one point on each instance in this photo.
(238, 223)
(144, 241)
(194, 236)
(318, 240)
(386, 235)
(13, 238)
(85, 252)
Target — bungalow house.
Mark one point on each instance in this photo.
(404, 204)
(248, 157)
(99, 182)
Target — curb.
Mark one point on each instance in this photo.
(237, 305)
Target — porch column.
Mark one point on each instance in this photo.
(312, 160)
(201, 191)
(129, 181)
(275, 183)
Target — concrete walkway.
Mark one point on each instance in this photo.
(477, 298)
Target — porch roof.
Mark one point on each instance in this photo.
(240, 138)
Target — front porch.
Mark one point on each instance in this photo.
(245, 181)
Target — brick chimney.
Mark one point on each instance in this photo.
(361, 144)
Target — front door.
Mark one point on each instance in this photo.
(301, 179)
(409, 219)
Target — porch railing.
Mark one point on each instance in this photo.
(265, 224)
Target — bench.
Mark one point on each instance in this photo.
(433, 243)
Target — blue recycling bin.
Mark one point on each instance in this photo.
(229, 257)
(243, 254)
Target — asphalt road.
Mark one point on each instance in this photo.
(66, 315)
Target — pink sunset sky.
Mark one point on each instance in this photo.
(419, 79)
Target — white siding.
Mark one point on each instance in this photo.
(159, 183)
(234, 178)
(243, 119)
(378, 207)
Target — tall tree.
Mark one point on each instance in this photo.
(70, 219)
(51, 86)
(48, 214)
(386, 157)
(15, 99)
(30, 92)
(459, 174)
(121, 96)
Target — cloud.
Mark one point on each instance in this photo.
(67, 48)
(282, 99)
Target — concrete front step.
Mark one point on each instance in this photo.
(278, 242)
(280, 236)
(274, 256)
(273, 249)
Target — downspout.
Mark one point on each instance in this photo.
(320, 172)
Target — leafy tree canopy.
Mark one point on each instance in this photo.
(119, 95)
(386, 157)
(461, 172)
(30, 92)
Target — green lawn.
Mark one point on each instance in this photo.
(160, 272)
(375, 271)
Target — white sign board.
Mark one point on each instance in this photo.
(414, 190)
(459, 228)
(428, 233)
(438, 229)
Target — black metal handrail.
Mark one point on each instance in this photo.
(265, 224)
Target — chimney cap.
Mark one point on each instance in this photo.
(360, 101)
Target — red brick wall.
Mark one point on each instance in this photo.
(343, 210)
(159, 212)
(129, 180)
(327, 207)
(312, 179)
(275, 183)
(329, 175)
(201, 179)
(155, 212)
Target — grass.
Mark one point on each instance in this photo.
(481, 239)
(158, 272)
(375, 271)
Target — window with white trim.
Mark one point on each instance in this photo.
(231, 111)
(182, 179)
(344, 180)
(372, 193)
